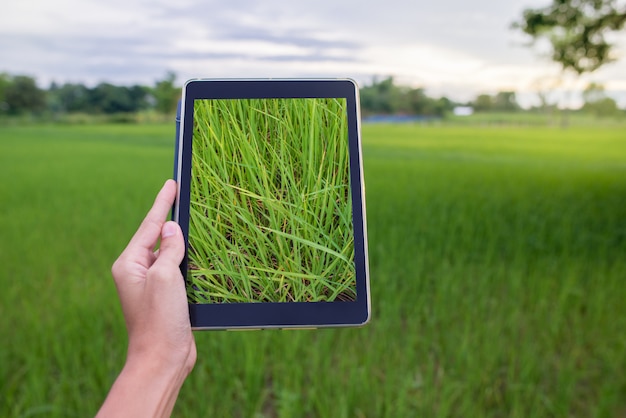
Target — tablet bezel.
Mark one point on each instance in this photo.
(278, 314)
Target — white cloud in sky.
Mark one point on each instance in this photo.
(451, 47)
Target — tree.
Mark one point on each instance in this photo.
(73, 97)
(505, 101)
(139, 97)
(166, 94)
(104, 98)
(5, 80)
(483, 103)
(416, 102)
(380, 97)
(107, 98)
(385, 97)
(21, 95)
(593, 92)
(576, 31)
(597, 102)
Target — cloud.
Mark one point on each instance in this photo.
(448, 46)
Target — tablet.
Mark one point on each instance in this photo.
(271, 203)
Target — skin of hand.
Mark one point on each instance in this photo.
(161, 347)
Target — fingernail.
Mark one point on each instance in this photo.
(169, 230)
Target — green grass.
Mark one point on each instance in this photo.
(497, 274)
(545, 118)
(270, 212)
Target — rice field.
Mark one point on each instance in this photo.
(270, 215)
(497, 262)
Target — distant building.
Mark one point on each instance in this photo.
(463, 111)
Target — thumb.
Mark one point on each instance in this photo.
(172, 247)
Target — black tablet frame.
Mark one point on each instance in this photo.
(280, 314)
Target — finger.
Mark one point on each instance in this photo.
(165, 285)
(172, 247)
(150, 229)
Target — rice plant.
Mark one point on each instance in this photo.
(270, 212)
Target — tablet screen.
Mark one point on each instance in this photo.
(270, 204)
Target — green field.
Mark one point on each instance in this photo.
(270, 219)
(498, 275)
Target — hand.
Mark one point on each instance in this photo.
(161, 347)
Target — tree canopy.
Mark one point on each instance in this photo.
(597, 102)
(386, 97)
(20, 94)
(503, 101)
(166, 94)
(576, 31)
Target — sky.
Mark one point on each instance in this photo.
(455, 48)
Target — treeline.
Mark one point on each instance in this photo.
(503, 101)
(19, 95)
(387, 98)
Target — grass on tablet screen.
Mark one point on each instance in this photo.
(270, 212)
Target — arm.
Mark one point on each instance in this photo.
(161, 348)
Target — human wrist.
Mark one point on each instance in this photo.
(165, 364)
(156, 382)
(146, 387)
